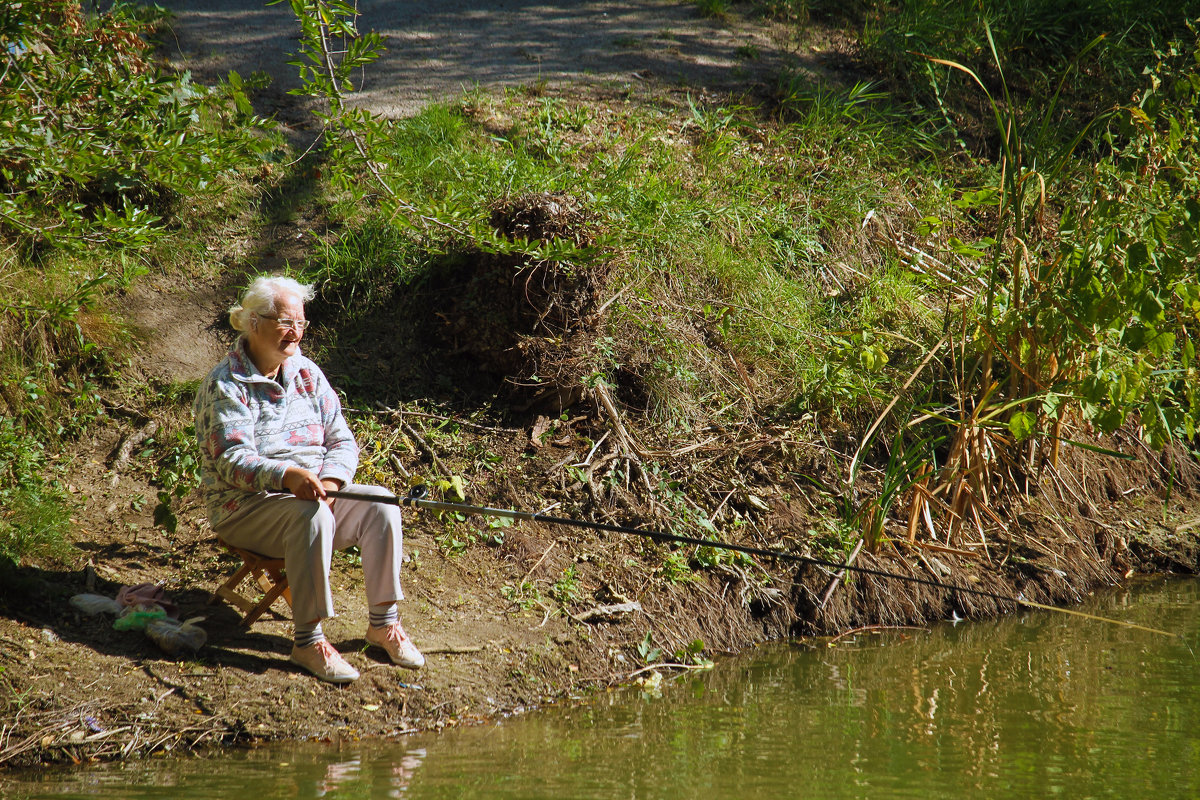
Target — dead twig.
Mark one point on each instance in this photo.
(395, 461)
(937, 548)
(833, 583)
(1186, 526)
(610, 408)
(539, 562)
(124, 450)
(425, 447)
(694, 446)
(402, 412)
(653, 667)
(866, 439)
(587, 461)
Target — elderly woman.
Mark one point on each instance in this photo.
(267, 419)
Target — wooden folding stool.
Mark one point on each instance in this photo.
(267, 573)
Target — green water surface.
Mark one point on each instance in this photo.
(1033, 705)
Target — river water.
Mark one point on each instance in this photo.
(1032, 705)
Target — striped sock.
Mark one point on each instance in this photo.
(382, 616)
(308, 635)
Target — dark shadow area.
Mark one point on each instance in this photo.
(394, 352)
(477, 329)
(41, 598)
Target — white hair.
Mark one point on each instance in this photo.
(262, 297)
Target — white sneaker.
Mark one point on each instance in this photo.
(322, 660)
(395, 641)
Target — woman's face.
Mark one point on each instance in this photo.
(272, 337)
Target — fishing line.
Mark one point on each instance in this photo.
(416, 499)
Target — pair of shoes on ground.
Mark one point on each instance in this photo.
(324, 661)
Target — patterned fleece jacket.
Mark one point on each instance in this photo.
(251, 429)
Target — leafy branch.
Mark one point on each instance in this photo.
(74, 174)
(332, 50)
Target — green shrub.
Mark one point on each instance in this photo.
(99, 149)
(99, 144)
(34, 511)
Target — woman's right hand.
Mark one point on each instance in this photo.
(303, 484)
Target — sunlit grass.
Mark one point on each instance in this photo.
(747, 227)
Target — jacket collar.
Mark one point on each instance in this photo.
(244, 370)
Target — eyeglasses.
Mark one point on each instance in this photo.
(283, 322)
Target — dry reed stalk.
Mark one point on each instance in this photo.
(937, 548)
(867, 437)
(917, 507)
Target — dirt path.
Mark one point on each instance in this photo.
(438, 48)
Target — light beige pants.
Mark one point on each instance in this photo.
(306, 532)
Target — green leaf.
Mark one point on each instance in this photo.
(647, 650)
(928, 226)
(989, 196)
(1022, 425)
(873, 357)
(1161, 343)
(1108, 420)
(1051, 404)
(1150, 308)
(1137, 257)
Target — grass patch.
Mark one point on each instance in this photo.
(35, 515)
(741, 230)
(1037, 40)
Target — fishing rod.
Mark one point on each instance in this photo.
(418, 498)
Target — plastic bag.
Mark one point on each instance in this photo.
(95, 604)
(135, 618)
(176, 637)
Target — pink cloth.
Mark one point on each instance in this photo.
(148, 596)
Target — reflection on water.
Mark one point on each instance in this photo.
(376, 770)
(1033, 705)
